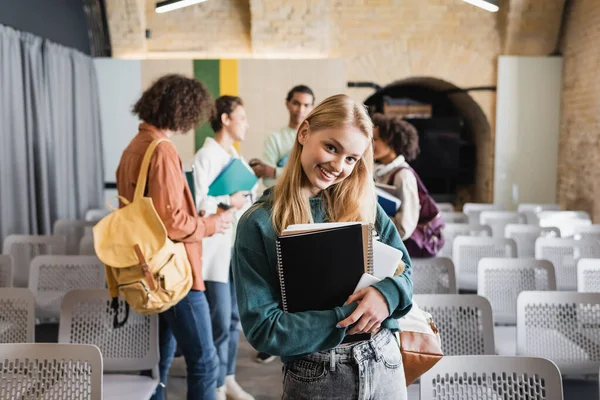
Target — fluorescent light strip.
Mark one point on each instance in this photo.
(161, 7)
(486, 5)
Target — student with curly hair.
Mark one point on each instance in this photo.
(395, 143)
(173, 105)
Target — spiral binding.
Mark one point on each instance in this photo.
(280, 273)
(370, 256)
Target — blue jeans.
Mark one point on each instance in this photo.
(188, 324)
(225, 317)
(371, 369)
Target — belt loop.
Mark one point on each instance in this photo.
(375, 349)
(332, 360)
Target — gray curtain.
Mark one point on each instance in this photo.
(50, 148)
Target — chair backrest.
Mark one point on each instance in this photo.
(451, 231)
(433, 276)
(445, 207)
(73, 231)
(564, 253)
(86, 246)
(467, 251)
(501, 280)
(452, 217)
(23, 248)
(97, 214)
(50, 371)
(6, 270)
(492, 377)
(473, 210)
(531, 210)
(565, 221)
(561, 326)
(588, 275)
(497, 220)
(526, 235)
(464, 322)
(51, 277)
(86, 317)
(586, 232)
(17, 316)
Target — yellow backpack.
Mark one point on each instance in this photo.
(143, 265)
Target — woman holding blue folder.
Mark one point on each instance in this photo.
(212, 166)
(328, 178)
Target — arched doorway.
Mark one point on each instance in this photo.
(456, 138)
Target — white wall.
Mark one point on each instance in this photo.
(527, 130)
(120, 86)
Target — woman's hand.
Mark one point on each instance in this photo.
(372, 310)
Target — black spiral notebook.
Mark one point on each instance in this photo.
(319, 269)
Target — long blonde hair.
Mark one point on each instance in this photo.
(352, 199)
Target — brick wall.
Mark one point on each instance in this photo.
(380, 41)
(579, 145)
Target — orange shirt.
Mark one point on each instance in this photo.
(169, 192)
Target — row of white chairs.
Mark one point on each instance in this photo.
(560, 326)
(51, 277)
(562, 252)
(19, 250)
(87, 318)
(75, 371)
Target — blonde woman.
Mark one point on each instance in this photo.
(328, 178)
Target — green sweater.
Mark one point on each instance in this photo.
(291, 335)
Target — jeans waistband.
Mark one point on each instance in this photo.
(355, 353)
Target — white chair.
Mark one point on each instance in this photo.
(86, 246)
(451, 231)
(451, 217)
(586, 232)
(588, 275)
(497, 220)
(17, 316)
(526, 235)
(500, 281)
(492, 377)
(564, 253)
(446, 207)
(23, 248)
(565, 221)
(50, 371)
(96, 214)
(464, 322)
(561, 326)
(433, 276)
(473, 210)
(6, 270)
(73, 230)
(86, 317)
(531, 210)
(51, 277)
(467, 251)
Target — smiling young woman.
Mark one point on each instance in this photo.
(328, 178)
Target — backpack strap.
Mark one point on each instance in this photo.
(140, 186)
(420, 184)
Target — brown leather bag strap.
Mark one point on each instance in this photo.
(145, 268)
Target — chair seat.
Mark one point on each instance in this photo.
(128, 387)
(505, 338)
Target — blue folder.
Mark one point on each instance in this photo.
(233, 178)
(389, 203)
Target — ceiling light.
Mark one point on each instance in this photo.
(170, 5)
(489, 5)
